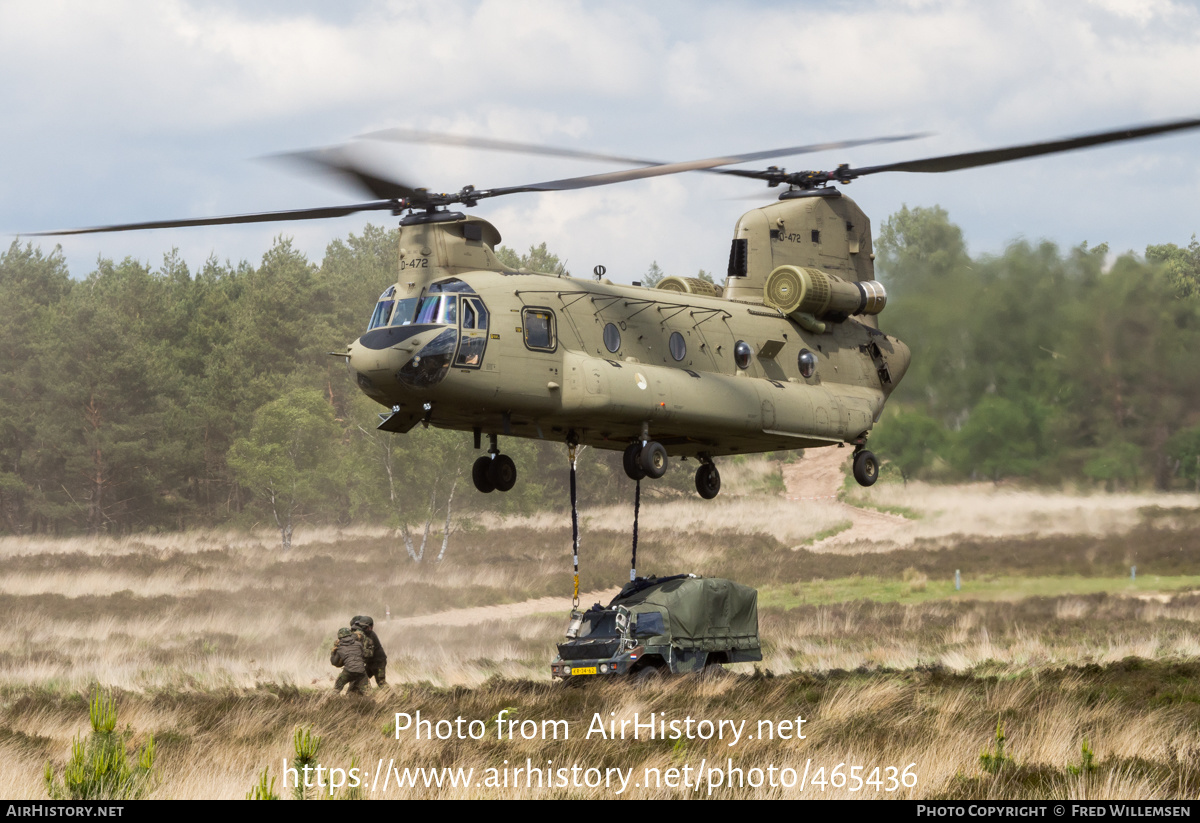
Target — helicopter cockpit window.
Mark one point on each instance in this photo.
(742, 354)
(807, 361)
(406, 309)
(438, 308)
(383, 309)
(452, 284)
(474, 333)
(474, 314)
(612, 338)
(539, 329)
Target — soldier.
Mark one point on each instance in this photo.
(350, 654)
(377, 662)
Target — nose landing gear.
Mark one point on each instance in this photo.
(494, 471)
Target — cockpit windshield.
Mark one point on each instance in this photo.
(383, 309)
(438, 308)
(405, 310)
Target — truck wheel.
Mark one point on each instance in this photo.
(649, 674)
(480, 475)
(633, 467)
(866, 468)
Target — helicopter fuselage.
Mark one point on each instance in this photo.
(461, 342)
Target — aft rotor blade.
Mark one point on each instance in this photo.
(990, 157)
(608, 178)
(259, 217)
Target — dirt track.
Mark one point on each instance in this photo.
(818, 476)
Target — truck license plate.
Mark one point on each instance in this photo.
(583, 670)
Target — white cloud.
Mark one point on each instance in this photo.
(125, 111)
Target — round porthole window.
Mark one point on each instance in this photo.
(678, 346)
(807, 362)
(612, 338)
(742, 354)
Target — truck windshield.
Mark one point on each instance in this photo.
(601, 624)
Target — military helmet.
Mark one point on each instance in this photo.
(362, 620)
(343, 633)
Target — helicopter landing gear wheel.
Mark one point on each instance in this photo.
(866, 468)
(708, 481)
(479, 474)
(653, 459)
(633, 468)
(502, 472)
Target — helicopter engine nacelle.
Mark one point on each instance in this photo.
(795, 289)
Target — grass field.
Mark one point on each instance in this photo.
(217, 645)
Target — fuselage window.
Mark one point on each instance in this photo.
(678, 346)
(539, 329)
(612, 338)
(742, 354)
(807, 361)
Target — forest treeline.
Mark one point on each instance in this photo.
(144, 398)
(1041, 363)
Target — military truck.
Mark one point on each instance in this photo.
(660, 625)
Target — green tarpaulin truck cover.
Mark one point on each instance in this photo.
(699, 612)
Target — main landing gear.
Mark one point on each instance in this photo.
(649, 459)
(494, 471)
(866, 467)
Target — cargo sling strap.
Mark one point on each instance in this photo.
(574, 529)
(637, 507)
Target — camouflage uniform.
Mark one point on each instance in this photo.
(376, 662)
(350, 654)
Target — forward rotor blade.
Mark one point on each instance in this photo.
(259, 217)
(340, 162)
(439, 139)
(989, 157)
(607, 178)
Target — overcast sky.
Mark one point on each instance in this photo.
(129, 111)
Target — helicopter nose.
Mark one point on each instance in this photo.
(360, 360)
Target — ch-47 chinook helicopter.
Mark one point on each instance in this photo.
(788, 355)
